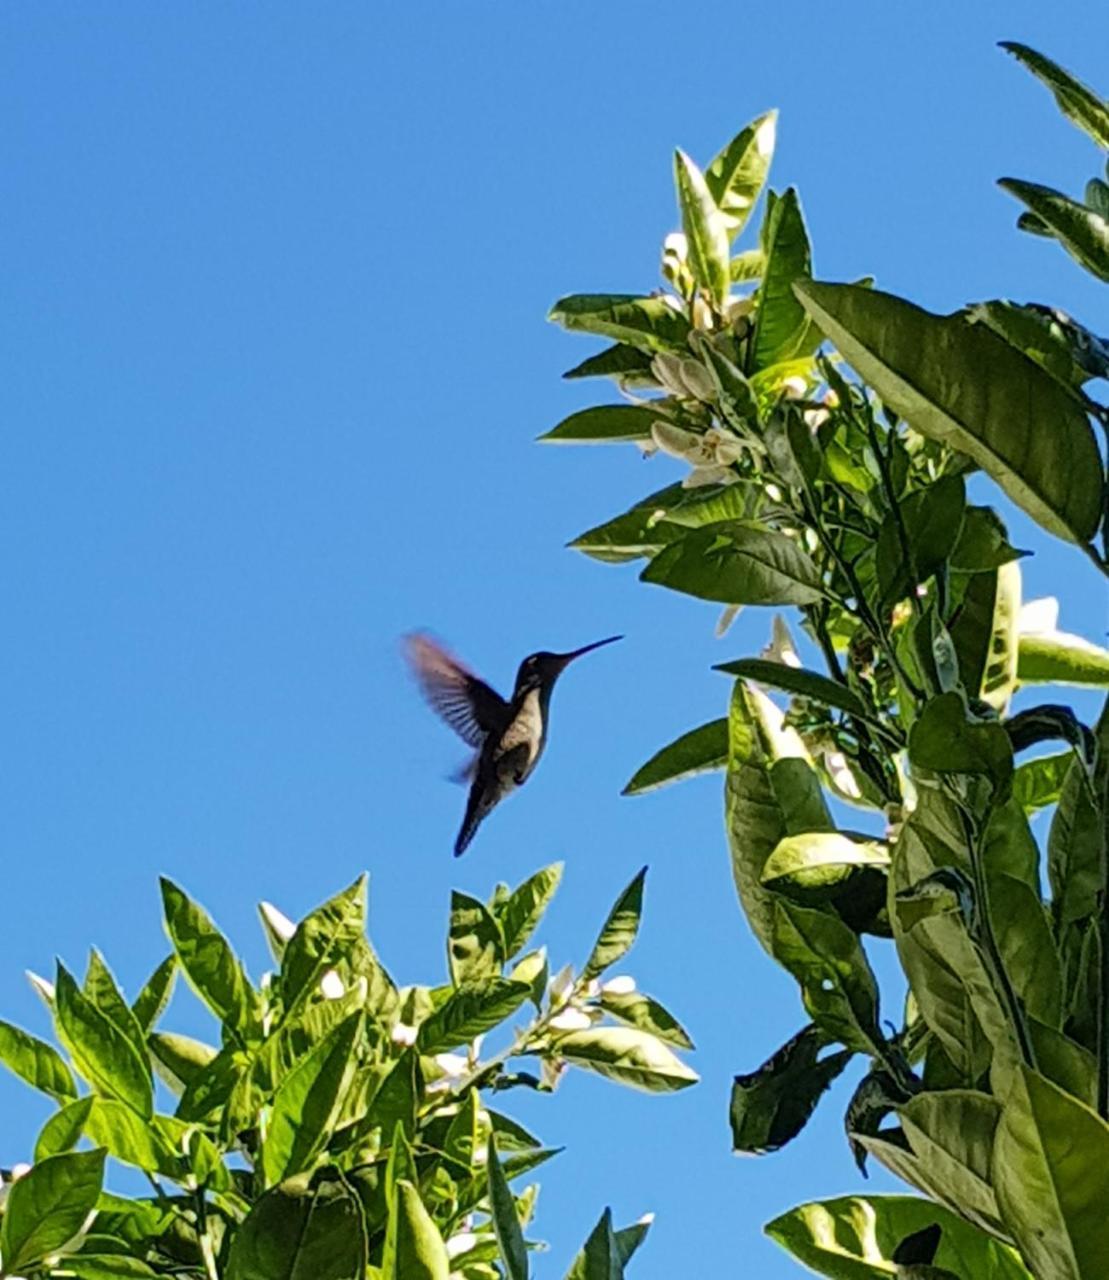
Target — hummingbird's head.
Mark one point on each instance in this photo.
(541, 670)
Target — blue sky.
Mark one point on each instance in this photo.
(275, 280)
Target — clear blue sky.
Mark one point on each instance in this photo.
(275, 279)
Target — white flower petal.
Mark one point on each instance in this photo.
(331, 986)
(277, 920)
(622, 985)
(571, 1019)
(667, 370)
(793, 388)
(463, 1242)
(841, 775)
(402, 1033)
(453, 1065)
(726, 619)
(1038, 616)
(701, 476)
(781, 648)
(676, 243)
(675, 441)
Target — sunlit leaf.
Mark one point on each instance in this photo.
(737, 175)
(697, 751)
(649, 324)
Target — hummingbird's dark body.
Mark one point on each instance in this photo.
(509, 736)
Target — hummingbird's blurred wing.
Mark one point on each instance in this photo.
(467, 704)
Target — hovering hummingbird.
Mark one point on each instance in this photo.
(508, 737)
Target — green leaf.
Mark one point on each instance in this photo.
(1060, 658)
(963, 386)
(827, 959)
(600, 1258)
(1051, 1173)
(639, 1010)
(737, 565)
(301, 1231)
(326, 936)
(748, 266)
(1082, 231)
(420, 1253)
(179, 1059)
(35, 1061)
(626, 1055)
(625, 364)
(102, 1053)
(649, 324)
(806, 684)
(475, 946)
(469, 1012)
(63, 1130)
(983, 544)
(308, 1101)
(737, 175)
(151, 1001)
(944, 740)
(818, 859)
(780, 320)
(1078, 103)
(854, 1238)
(48, 1206)
(984, 633)
(604, 424)
(1074, 865)
(521, 914)
(506, 1223)
(211, 966)
(642, 530)
(1055, 342)
(105, 1266)
(706, 229)
(1038, 783)
(697, 751)
(932, 519)
(771, 1105)
(398, 1098)
(102, 990)
(129, 1138)
(619, 931)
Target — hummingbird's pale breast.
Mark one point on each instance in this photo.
(523, 739)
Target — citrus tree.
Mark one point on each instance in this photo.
(845, 455)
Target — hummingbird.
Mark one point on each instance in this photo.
(508, 736)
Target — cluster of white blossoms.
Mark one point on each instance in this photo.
(577, 1008)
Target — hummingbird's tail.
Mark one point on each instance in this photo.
(476, 810)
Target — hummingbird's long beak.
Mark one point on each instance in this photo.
(566, 658)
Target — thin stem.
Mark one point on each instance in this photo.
(206, 1249)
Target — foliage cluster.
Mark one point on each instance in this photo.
(863, 502)
(341, 1127)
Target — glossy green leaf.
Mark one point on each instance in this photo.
(209, 963)
(469, 1012)
(1074, 840)
(301, 1231)
(945, 740)
(932, 519)
(521, 914)
(102, 1053)
(1087, 109)
(506, 1222)
(63, 1130)
(855, 1237)
(604, 424)
(36, 1062)
(129, 1137)
(821, 858)
(697, 751)
(418, 1250)
(1082, 231)
(1060, 658)
(961, 385)
(102, 990)
(475, 945)
(151, 1001)
(619, 931)
(48, 1206)
(638, 1010)
(781, 323)
(748, 266)
(179, 1059)
(601, 1257)
(738, 173)
(307, 1104)
(626, 1055)
(771, 1105)
(837, 985)
(642, 530)
(325, 936)
(649, 324)
(620, 361)
(1063, 349)
(1051, 1173)
(737, 565)
(706, 231)
(983, 543)
(796, 680)
(106, 1266)
(1038, 783)
(984, 633)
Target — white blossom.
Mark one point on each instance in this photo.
(403, 1034)
(461, 1243)
(561, 985)
(731, 612)
(571, 1019)
(710, 455)
(1039, 617)
(279, 923)
(781, 648)
(331, 986)
(622, 985)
